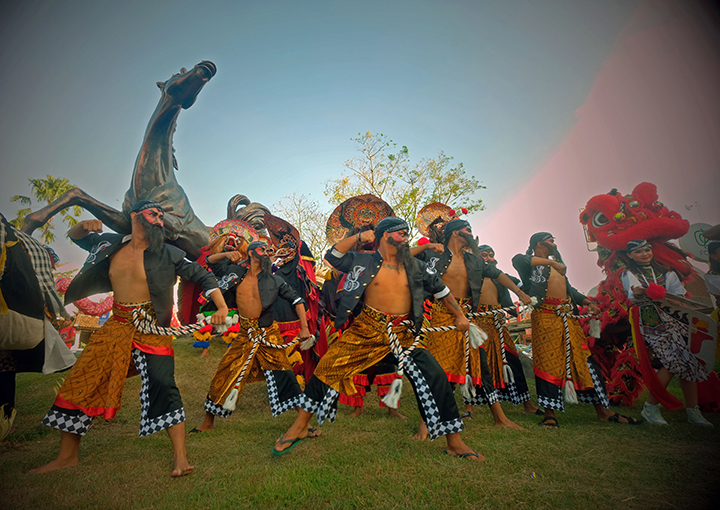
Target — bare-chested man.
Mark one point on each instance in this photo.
(391, 284)
(251, 287)
(499, 345)
(543, 276)
(464, 275)
(140, 270)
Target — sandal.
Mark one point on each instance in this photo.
(466, 414)
(615, 418)
(464, 455)
(549, 422)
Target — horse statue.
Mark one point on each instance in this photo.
(153, 176)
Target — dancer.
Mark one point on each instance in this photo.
(141, 270)
(658, 335)
(464, 275)
(258, 352)
(391, 284)
(495, 296)
(560, 354)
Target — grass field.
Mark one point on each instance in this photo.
(365, 462)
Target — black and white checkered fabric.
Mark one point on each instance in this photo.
(482, 397)
(217, 410)
(510, 393)
(597, 395)
(151, 425)
(327, 409)
(277, 407)
(75, 424)
(556, 403)
(42, 264)
(425, 398)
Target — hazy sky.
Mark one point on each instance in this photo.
(494, 84)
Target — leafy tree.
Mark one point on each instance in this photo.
(385, 171)
(306, 216)
(46, 190)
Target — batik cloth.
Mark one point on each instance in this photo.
(517, 391)
(366, 343)
(666, 338)
(549, 357)
(267, 364)
(94, 385)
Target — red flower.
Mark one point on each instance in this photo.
(452, 212)
(423, 240)
(656, 292)
(464, 211)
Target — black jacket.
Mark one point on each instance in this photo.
(534, 279)
(362, 268)
(270, 287)
(161, 271)
(476, 267)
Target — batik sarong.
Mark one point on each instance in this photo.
(366, 343)
(268, 364)
(549, 358)
(94, 385)
(517, 391)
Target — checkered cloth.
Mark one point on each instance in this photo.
(40, 259)
(277, 406)
(151, 425)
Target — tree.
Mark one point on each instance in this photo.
(385, 171)
(46, 190)
(306, 216)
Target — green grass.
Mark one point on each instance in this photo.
(365, 462)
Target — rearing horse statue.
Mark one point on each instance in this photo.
(153, 177)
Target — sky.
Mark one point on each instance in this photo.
(497, 85)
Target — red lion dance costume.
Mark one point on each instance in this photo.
(612, 220)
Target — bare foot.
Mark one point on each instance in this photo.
(422, 432)
(509, 424)
(394, 413)
(182, 469)
(204, 354)
(357, 412)
(54, 466)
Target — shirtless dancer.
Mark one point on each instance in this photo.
(392, 284)
(141, 270)
(251, 287)
(543, 276)
(464, 274)
(495, 295)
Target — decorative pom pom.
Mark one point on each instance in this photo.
(231, 400)
(393, 397)
(468, 389)
(508, 375)
(423, 240)
(477, 336)
(656, 292)
(570, 395)
(307, 344)
(464, 211)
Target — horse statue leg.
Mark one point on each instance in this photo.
(110, 217)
